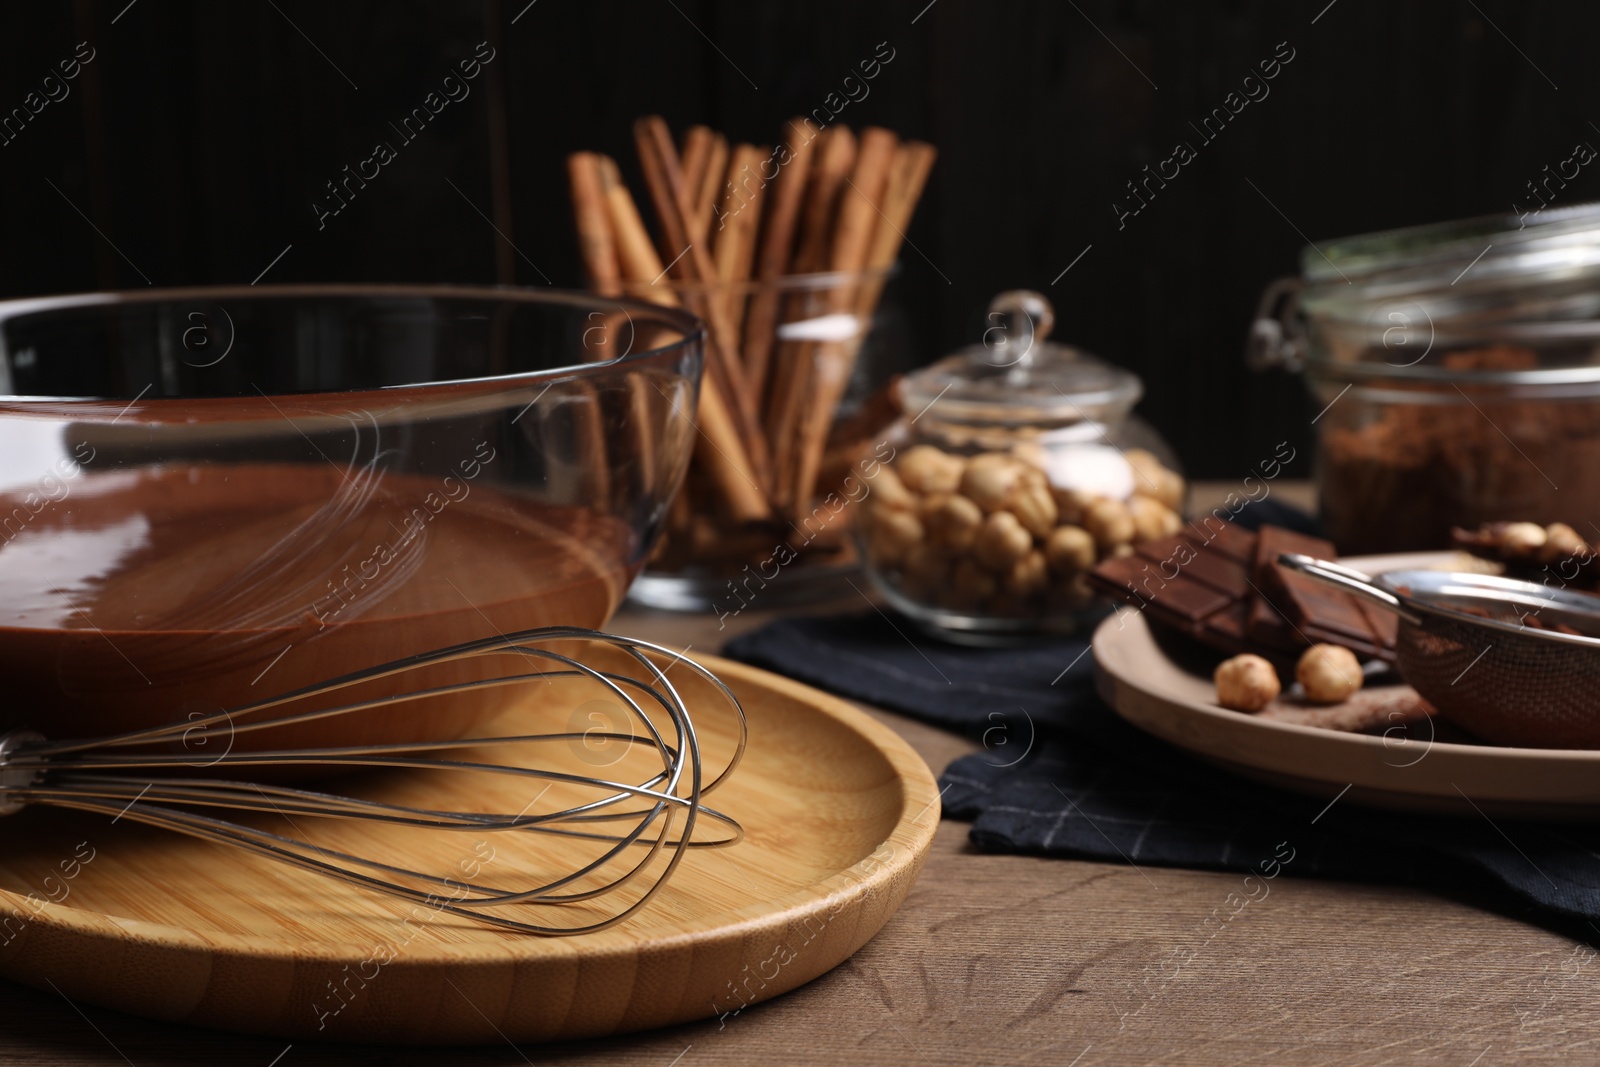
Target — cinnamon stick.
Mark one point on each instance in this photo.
(793, 160)
(695, 153)
(734, 244)
(693, 264)
(595, 242)
(717, 445)
(831, 165)
(907, 178)
(636, 256)
(826, 375)
(705, 192)
(836, 204)
(836, 154)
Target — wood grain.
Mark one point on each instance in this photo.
(838, 814)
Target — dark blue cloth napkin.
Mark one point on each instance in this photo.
(1060, 773)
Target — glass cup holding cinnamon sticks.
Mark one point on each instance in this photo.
(800, 343)
(783, 253)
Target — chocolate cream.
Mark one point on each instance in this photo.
(151, 595)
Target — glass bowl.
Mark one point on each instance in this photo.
(210, 496)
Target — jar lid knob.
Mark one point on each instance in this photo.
(1019, 319)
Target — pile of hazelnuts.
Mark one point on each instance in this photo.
(990, 535)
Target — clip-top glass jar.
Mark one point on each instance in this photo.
(1018, 466)
(1456, 367)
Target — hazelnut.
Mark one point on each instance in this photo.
(1151, 518)
(926, 469)
(925, 572)
(1069, 550)
(892, 533)
(1328, 673)
(1028, 577)
(1001, 542)
(1109, 523)
(1034, 507)
(951, 520)
(1033, 454)
(886, 490)
(969, 585)
(1523, 538)
(988, 480)
(1245, 683)
(1562, 542)
(1152, 479)
(1174, 491)
(1071, 504)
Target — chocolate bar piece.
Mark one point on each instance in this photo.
(1321, 613)
(1217, 583)
(1197, 582)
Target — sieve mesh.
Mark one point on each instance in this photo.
(1507, 688)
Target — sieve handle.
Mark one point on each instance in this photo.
(1351, 581)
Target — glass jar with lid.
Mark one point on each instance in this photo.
(1017, 467)
(1456, 371)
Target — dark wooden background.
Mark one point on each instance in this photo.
(191, 148)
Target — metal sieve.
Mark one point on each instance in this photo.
(1505, 676)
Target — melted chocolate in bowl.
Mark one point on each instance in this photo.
(154, 594)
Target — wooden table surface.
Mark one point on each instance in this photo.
(1019, 960)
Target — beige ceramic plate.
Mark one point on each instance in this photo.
(838, 811)
(1407, 769)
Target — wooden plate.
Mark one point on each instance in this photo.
(1408, 769)
(838, 810)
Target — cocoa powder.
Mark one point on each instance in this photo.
(1399, 476)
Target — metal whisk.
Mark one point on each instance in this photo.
(657, 815)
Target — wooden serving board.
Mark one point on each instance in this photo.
(838, 811)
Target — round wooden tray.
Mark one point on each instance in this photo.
(1408, 770)
(839, 813)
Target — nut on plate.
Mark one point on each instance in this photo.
(1329, 674)
(1562, 542)
(1246, 683)
(1523, 538)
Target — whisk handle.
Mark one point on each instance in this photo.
(1351, 581)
